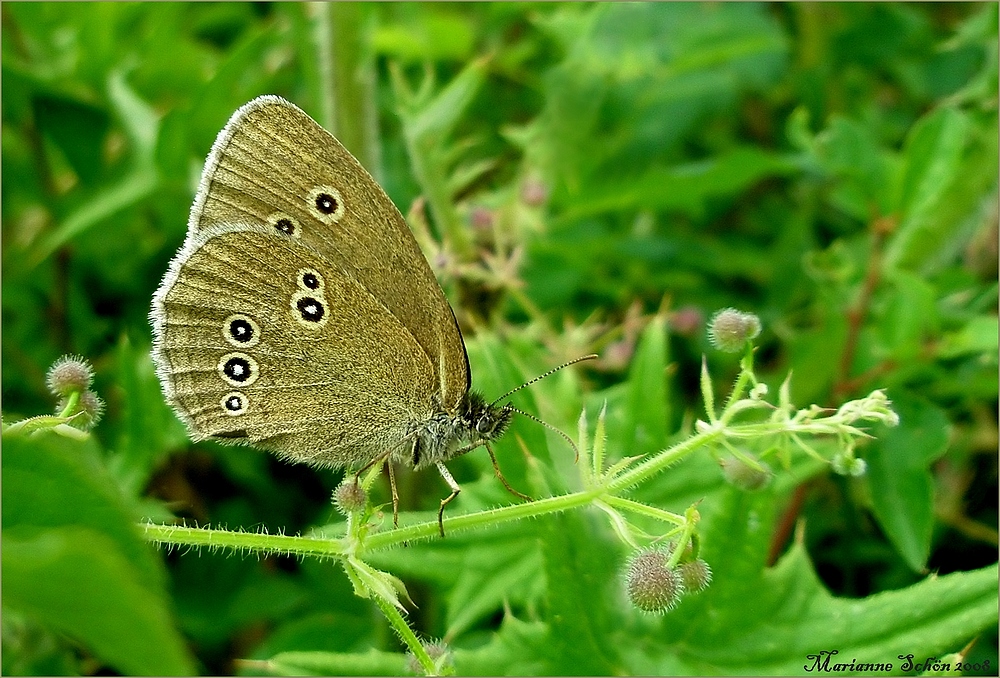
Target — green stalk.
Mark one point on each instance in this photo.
(405, 633)
(71, 402)
(660, 461)
(178, 535)
(483, 518)
(643, 509)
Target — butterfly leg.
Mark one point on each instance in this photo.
(496, 467)
(395, 495)
(455, 489)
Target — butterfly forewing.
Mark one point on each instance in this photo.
(273, 166)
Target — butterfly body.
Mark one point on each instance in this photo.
(300, 315)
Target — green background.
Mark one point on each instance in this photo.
(604, 177)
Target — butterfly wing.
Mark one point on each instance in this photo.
(260, 338)
(273, 165)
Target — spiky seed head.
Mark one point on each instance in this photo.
(349, 497)
(69, 374)
(651, 585)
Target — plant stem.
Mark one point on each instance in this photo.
(643, 509)
(660, 461)
(71, 402)
(405, 633)
(177, 535)
(488, 517)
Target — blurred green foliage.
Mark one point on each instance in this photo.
(627, 169)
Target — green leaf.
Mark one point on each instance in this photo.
(979, 335)
(686, 188)
(139, 120)
(481, 571)
(492, 573)
(646, 418)
(79, 581)
(735, 533)
(216, 594)
(50, 482)
(77, 128)
(519, 648)
(67, 527)
(792, 617)
(435, 33)
(149, 428)
(753, 620)
(932, 154)
(902, 487)
(948, 174)
(849, 150)
(495, 373)
(908, 316)
(142, 127)
(810, 355)
(580, 573)
(371, 663)
(428, 122)
(106, 202)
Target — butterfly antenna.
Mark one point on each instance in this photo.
(539, 378)
(576, 452)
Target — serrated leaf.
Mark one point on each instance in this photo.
(519, 648)
(509, 572)
(579, 573)
(760, 621)
(792, 616)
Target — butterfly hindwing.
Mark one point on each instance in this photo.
(260, 338)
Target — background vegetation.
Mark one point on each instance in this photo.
(602, 177)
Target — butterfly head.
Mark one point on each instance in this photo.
(486, 421)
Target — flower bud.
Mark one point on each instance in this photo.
(744, 476)
(848, 465)
(686, 321)
(481, 218)
(534, 192)
(730, 330)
